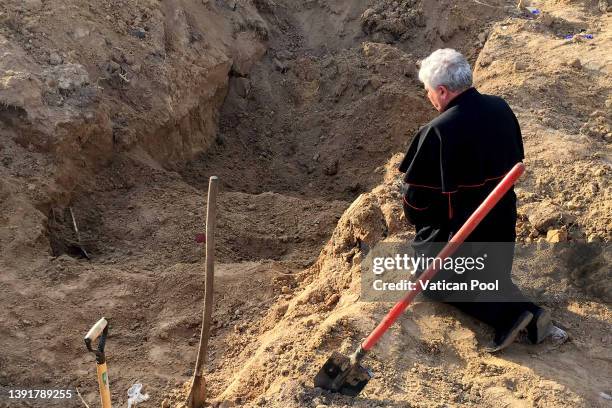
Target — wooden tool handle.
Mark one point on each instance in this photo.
(96, 330)
(211, 216)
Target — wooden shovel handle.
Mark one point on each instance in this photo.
(211, 217)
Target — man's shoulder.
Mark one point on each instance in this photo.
(443, 120)
(479, 105)
(482, 105)
(495, 100)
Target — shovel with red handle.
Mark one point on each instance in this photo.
(345, 374)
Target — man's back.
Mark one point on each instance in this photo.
(451, 166)
(462, 155)
(484, 142)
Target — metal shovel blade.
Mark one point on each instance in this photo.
(338, 374)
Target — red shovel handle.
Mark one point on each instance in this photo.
(493, 198)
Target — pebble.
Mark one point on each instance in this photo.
(113, 66)
(81, 32)
(331, 168)
(138, 32)
(55, 59)
(485, 60)
(520, 66)
(129, 59)
(599, 172)
(556, 235)
(546, 19)
(332, 300)
(576, 64)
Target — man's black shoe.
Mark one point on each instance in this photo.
(504, 340)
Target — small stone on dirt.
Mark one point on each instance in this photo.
(576, 64)
(556, 235)
(485, 61)
(520, 66)
(332, 300)
(113, 67)
(543, 215)
(546, 19)
(129, 59)
(68, 76)
(55, 59)
(80, 32)
(331, 168)
(138, 32)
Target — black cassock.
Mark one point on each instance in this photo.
(453, 163)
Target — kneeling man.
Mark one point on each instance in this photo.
(453, 163)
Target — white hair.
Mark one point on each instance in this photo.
(446, 67)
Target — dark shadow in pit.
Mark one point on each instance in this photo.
(65, 236)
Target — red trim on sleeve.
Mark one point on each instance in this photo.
(412, 206)
(450, 206)
(460, 185)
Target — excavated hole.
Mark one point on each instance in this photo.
(63, 238)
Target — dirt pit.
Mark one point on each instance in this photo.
(301, 108)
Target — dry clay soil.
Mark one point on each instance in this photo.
(121, 110)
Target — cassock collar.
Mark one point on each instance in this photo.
(463, 96)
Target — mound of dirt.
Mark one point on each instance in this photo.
(560, 105)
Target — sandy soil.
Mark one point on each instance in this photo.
(121, 110)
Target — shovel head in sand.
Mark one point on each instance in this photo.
(345, 374)
(338, 374)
